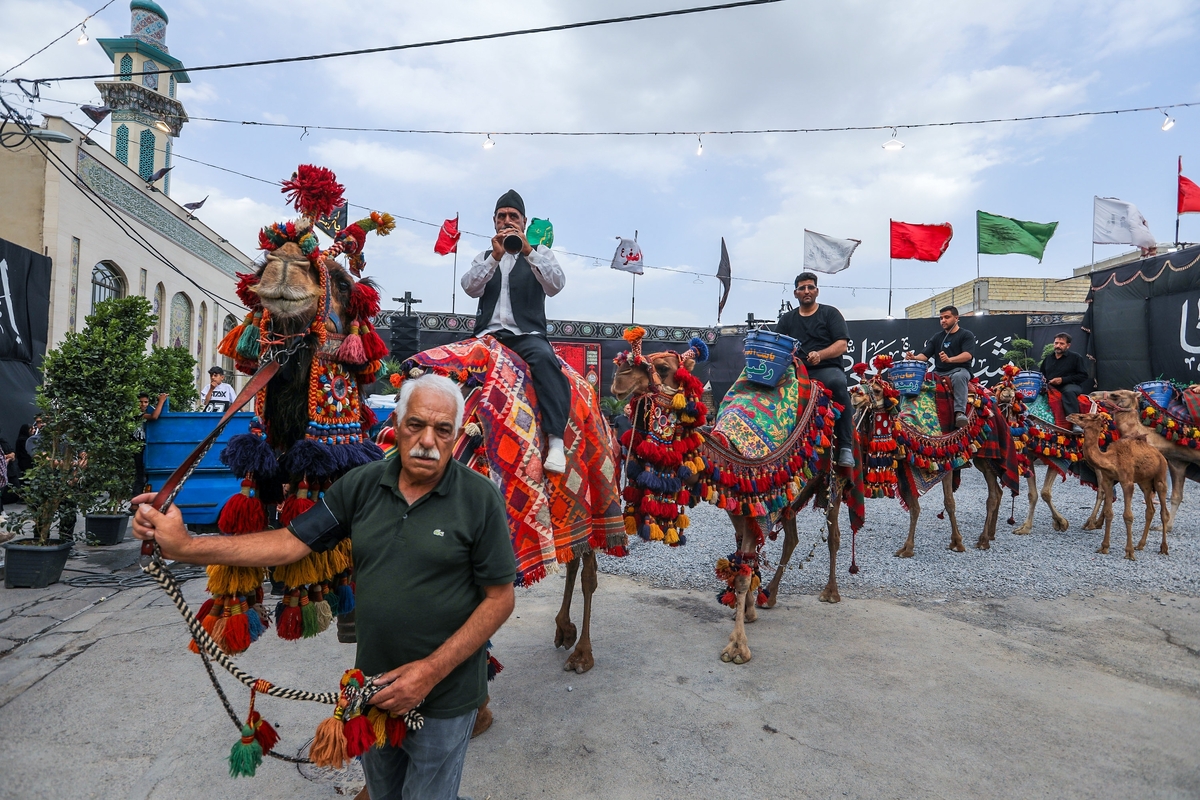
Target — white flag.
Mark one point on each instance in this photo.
(826, 254)
(1118, 222)
(628, 256)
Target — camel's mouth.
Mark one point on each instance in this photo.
(286, 300)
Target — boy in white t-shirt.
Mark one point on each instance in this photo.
(220, 394)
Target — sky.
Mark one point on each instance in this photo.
(797, 63)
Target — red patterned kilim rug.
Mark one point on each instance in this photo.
(551, 517)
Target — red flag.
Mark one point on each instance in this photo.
(447, 241)
(1189, 193)
(922, 242)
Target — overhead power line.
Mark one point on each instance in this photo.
(435, 43)
(59, 39)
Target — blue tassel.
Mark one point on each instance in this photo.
(685, 473)
(256, 626)
(309, 458)
(644, 532)
(633, 469)
(247, 453)
(697, 344)
(345, 596)
(371, 451)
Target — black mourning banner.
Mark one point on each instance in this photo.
(24, 303)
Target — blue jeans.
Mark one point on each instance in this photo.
(428, 766)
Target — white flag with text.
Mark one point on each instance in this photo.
(825, 253)
(628, 257)
(1118, 222)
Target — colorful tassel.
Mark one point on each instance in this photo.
(351, 350)
(328, 747)
(243, 513)
(360, 735)
(246, 755)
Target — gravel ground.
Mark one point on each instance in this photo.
(1044, 564)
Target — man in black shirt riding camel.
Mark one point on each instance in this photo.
(950, 353)
(821, 331)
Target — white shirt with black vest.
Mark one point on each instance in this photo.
(545, 269)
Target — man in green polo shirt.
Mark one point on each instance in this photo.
(434, 572)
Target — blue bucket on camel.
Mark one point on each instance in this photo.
(1029, 383)
(1160, 392)
(768, 356)
(907, 376)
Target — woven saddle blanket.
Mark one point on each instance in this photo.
(552, 518)
(756, 420)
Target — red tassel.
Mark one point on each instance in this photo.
(263, 732)
(295, 505)
(290, 625)
(243, 513)
(237, 628)
(210, 612)
(364, 301)
(396, 730)
(351, 351)
(366, 415)
(249, 298)
(373, 345)
(360, 736)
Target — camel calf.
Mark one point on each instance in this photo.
(1132, 462)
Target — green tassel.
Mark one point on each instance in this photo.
(245, 756)
(247, 346)
(308, 612)
(332, 599)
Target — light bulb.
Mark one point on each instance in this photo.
(1169, 122)
(162, 126)
(700, 147)
(893, 143)
(83, 37)
(488, 144)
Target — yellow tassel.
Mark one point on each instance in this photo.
(223, 580)
(672, 536)
(679, 402)
(630, 526)
(682, 521)
(656, 533)
(722, 564)
(378, 721)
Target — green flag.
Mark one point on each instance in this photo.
(999, 235)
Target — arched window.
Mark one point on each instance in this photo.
(159, 306)
(201, 319)
(107, 282)
(171, 87)
(126, 67)
(146, 144)
(123, 144)
(181, 322)
(227, 362)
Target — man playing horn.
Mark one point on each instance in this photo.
(512, 282)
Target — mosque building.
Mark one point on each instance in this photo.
(102, 223)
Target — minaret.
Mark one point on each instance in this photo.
(146, 117)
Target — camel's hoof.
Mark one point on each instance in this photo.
(1061, 525)
(983, 544)
(771, 600)
(829, 596)
(1022, 531)
(904, 552)
(751, 615)
(580, 662)
(1139, 547)
(1162, 550)
(1129, 556)
(483, 720)
(735, 657)
(958, 547)
(564, 636)
(1102, 551)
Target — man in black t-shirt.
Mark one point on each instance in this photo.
(1065, 371)
(951, 352)
(821, 332)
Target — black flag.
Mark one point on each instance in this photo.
(724, 276)
(330, 225)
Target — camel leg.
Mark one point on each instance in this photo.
(581, 660)
(830, 593)
(1127, 488)
(1168, 516)
(993, 506)
(1178, 470)
(564, 631)
(1061, 523)
(738, 649)
(1105, 493)
(956, 540)
(1031, 482)
(1148, 496)
(790, 539)
(1096, 519)
(914, 513)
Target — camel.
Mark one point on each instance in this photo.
(1013, 409)
(1133, 462)
(1124, 405)
(645, 380)
(877, 406)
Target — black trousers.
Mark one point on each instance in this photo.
(834, 378)
(1070, 397)
(553, 389)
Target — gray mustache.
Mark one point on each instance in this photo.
(425, 452)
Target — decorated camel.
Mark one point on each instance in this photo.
(554, 519)
(1043, 437)
(765, 457)
(1134, 463)
(1170, 430)
(911, 445)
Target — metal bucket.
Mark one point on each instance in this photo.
(1160, 392)
(768, 356)
(1029, 383)
(907, 377)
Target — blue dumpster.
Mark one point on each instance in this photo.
(171, 438)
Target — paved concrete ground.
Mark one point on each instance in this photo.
(1074, 697)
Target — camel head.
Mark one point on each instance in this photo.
(1119, 400)
(1094, 425)
(637, 374)
(873, 393)
(293, 289)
